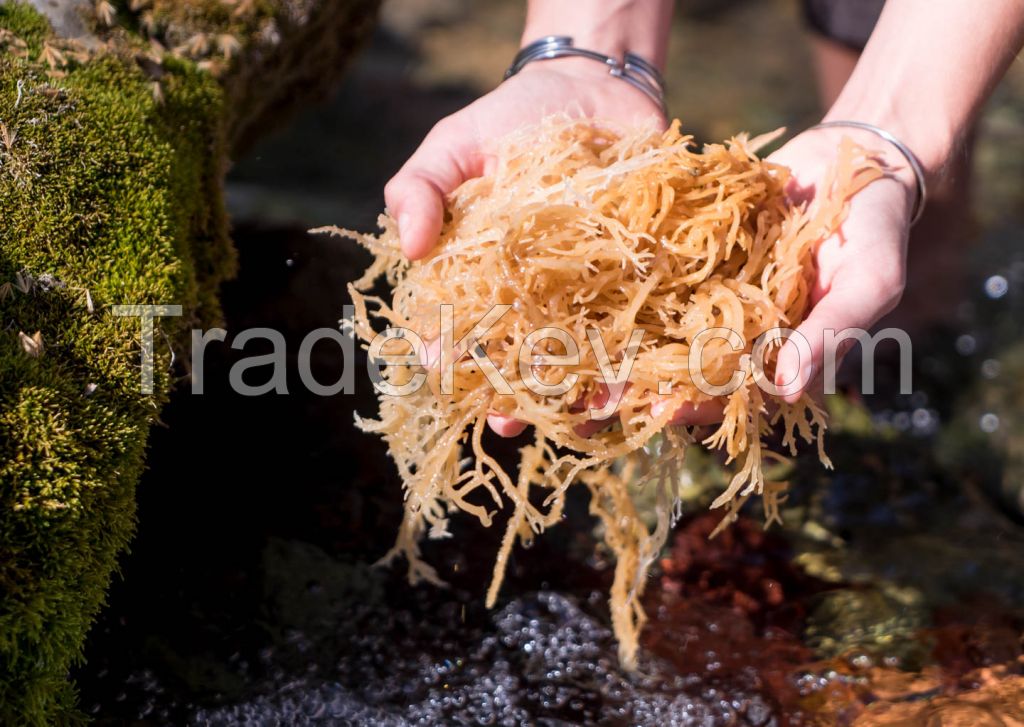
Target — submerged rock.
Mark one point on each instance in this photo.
(866, 620)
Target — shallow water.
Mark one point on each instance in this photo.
(248, 599)
(893, 595)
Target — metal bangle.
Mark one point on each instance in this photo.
(912, 160)
(632, 69)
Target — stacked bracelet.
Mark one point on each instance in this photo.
(632, 69)
(912, 160)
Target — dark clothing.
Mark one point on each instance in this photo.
(849, 22)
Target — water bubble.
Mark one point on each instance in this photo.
(990, 368)
(289, 262)
(901, 420)
(989, 423)
(966, 344)
(921, 419)
(996, 287)
(861, 661)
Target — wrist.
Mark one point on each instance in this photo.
(900, 166)
(932, 141)
(612, 27)
(588, 80)
(585, 69)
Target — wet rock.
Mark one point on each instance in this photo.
(866, 620)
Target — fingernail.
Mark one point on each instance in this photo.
(788, 384)
(806, 377)
(403, 224)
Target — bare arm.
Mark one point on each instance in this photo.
(612, 27)
(928, 69)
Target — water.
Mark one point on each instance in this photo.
(893, 595)
(540, 659)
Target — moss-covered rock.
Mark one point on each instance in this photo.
(112, 156)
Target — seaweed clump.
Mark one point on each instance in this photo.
(593, 267)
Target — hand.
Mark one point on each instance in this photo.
(456, 148)
(861, 270)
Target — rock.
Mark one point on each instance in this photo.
(114, 140)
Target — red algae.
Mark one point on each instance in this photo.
(735, 608)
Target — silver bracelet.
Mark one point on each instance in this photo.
(632, 69)
(915, 164)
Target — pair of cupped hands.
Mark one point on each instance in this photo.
(860, 271)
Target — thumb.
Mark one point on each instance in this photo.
(415, 195)
(851, 302)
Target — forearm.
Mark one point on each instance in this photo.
(928, 69)
(612, 27)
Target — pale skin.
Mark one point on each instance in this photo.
(926, 72)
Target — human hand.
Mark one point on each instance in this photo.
(860, 270)
(456, 149)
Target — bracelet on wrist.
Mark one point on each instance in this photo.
(912, 160)
(632, 69)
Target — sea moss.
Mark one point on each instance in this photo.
(109, 194)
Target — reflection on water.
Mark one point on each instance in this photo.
(893, 595)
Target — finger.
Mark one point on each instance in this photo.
(505, 426)
(856, 300)
(431, 356)
(604, 395)
(419, 210)
(689, 414)
(592, 426)
(415, 196)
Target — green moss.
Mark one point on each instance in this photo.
(109, 192)
(213, 16)
(25, 23)
(111, 170)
